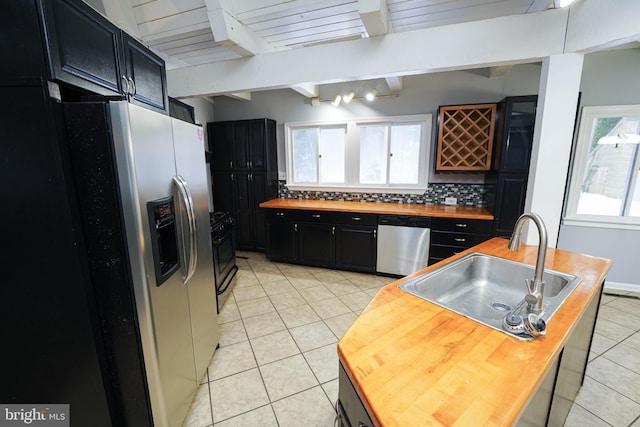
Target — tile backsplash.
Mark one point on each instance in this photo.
(466, 194)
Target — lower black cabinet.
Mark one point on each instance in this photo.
(352, 412)
(282, 236)
(323, 239)
(450, 236)
(356, 242)
(316, 242)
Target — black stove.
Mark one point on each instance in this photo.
(224, 253)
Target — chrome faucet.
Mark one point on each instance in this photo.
(535, 288)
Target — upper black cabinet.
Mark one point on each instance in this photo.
(145, 75)
(86, 51)
(83, 47)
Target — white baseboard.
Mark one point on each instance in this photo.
(618, 286)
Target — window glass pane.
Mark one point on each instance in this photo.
(608, 170)
(332, 155)
(404, 160)
(373, 154)
(305, 155)
(634, 209)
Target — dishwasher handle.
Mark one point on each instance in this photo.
(405, 221)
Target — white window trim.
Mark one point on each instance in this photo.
(353, 155)
(580, 164)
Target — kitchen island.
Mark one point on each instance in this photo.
(408, 362)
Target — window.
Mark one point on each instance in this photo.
(386, 154)
(604, 187)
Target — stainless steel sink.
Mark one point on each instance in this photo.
(485, 288)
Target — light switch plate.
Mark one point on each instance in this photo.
(450, 200)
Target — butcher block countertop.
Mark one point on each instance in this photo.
(468, 212)
(414, 363)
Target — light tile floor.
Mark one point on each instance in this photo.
(277, 364)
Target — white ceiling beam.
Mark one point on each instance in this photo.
(394, 83)
(240, 96)
(375, 17)
(310, 91)
(451, 47)
(231, 33)
(499, 71)
(611, 23)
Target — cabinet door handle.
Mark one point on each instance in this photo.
(460, 239)
(232, 178)
(333, 231)
(133, 87)
(375, 233)
(125, 86)
(315, 216)
(461, 225)
(250, 177)
(251, 164)
(295, 227)
(230, 164)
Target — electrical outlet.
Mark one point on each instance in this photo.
(450, 201)
(282, 176)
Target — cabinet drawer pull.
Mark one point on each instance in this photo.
(356, 218)
(230, 164)
(295, 228)
(280, 213)
(375, 233)
(460, 239)
(461, 225)
(333, 231)
(315, 216)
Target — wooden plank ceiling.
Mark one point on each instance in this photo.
(193, 32)
(185, 29)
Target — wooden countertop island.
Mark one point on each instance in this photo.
(468, 212)
(414, 363)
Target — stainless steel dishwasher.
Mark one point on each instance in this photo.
(403, 244)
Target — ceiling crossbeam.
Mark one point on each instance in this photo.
(375, 17)
(231, 33)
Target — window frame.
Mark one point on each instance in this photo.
(352, 155)
(579, 166)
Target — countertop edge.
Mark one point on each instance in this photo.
(382, 208)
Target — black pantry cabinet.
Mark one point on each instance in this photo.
(72, 337)
(517, 117)
(244, 170)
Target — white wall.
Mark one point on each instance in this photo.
(421, 94)
(609, 78)
(203, 111)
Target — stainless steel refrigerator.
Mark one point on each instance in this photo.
(159, 172)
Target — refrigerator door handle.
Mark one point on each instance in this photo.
(185, 194)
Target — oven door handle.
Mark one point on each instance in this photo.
(219, 240)
(187, 200)
(229, 278)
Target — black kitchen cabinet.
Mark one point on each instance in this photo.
(282, 235)
(88, 52)
(356, 241)
(513, 155)
(450, 236)
(316, 234)
(145, 74)
(245, 173)
(351, 410)
(342, 240)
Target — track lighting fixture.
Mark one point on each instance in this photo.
(371, 95)
(336, 100)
